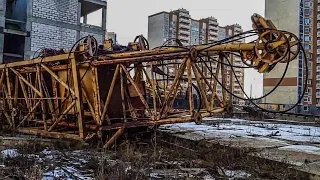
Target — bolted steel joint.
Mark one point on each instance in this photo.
(193, 54)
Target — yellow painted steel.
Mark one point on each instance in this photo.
(100, 93)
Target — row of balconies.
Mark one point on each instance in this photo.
(183, 20)
(184, 32)
(212, 38)
(185, 26)
(186, 38)
(213, 23)
(184, 14)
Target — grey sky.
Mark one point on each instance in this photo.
(129, 18)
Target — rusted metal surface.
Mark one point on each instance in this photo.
(82, 94)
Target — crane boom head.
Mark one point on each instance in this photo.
(271, 47)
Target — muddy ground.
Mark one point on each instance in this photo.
(149, 155)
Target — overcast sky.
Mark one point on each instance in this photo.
(129, 18)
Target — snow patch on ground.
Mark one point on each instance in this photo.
(237, 174)
(10, 153)
(68, 173)
(302, 148)
(57, 165)
(242, 128)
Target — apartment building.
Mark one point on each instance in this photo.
(210, 28)
(29, 25)
(165, 27)
(301, 18)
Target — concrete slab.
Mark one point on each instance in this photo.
(304, 161)
(295, 145)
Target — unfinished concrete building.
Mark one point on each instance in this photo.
(29, 25)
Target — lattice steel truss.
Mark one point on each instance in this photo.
(80, 94)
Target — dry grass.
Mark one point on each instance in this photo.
(136, 158)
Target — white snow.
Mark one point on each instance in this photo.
(236, 174)
(58, 165)
(302, 148)
(68, 173)
(10, 153)
(46, 152)
(208, 177)
(242, 128)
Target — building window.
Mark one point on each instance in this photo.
(307, 12)
(307, 39)
(307, 47)
(308, 91)
(307, 21)
(308, 4)
(309, 82)
(307, 99)
(307, 29)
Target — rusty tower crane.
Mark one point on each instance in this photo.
(101, 90)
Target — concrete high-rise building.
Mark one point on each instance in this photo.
(29, 25)
(170, 25)
(166, 27)
(210, 28)
(178, 24)
(300, 18)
